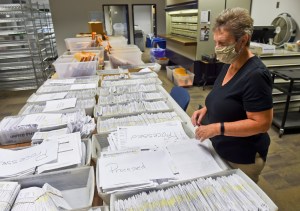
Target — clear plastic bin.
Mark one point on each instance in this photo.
(76, 44)
(76, 185)
(184, 80)
(125, 58)
(170, 72)
(116, 41)
(99, 51)
(67, 66)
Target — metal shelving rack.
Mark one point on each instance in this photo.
(290, 86)
(46, 19)
(24, 57)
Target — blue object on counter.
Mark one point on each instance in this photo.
(159, 41)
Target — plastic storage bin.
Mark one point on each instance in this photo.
(158, 52)
(130, 57)
(170, 72)
(76, 44)
(99, 51)
(76, 185)
(184, 80)
(160, 42)
(125, 195)
(67, 66)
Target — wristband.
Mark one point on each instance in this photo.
(222, 128)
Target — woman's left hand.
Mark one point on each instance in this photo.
(207, 131)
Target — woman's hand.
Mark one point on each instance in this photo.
(198, 116)
(207, 131)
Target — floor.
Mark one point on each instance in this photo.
(280, 179)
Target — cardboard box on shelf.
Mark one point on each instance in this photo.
(96, 26)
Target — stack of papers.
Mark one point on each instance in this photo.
(14, 163)
(8, 193)
(132, 107)
(128, 170)
(111, 124)
(38, 137)
(45, 198)
(136, 88)
(146, 137)
(192, 159)
(18, 129)
(70, 152)
(223, 193)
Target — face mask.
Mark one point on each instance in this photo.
(226, 54)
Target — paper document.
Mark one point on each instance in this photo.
(51, 96)
(69, 152)
(83, 86)
(192, 159)
(40, 119)
(40, 136)
(145, 137)
(62, 81)
(57, 105)
(133, 168)
(14, 162)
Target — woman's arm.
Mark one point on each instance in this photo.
(256, 122)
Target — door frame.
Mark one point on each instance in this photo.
(127, 18)
(155, 21)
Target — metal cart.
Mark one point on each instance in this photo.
(290, 86)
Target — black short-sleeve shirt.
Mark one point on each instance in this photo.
(250, 90)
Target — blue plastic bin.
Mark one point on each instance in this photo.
(158, 52)
(148, 42)
(159, 41)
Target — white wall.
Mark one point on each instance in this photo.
(71, 16)
(264, 12)
(143, 18)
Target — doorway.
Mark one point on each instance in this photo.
(116, 20)
(144, 22)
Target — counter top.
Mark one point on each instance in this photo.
(178, 39)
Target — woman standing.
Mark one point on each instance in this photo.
(239, 108)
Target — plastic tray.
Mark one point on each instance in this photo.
(184, 81)
(104, 91)
(66, 66)
(75, 44)
(78, 80)
(170, 72)
(30, 108)
(132, 82)
(96, 109)
(125, 58)
(89, 93)
(125, 98)
(99, 51)
(76, 185)
(61, 88)
(254, 186)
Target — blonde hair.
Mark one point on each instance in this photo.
(235, 20)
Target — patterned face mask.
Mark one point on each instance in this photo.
(227, 54)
